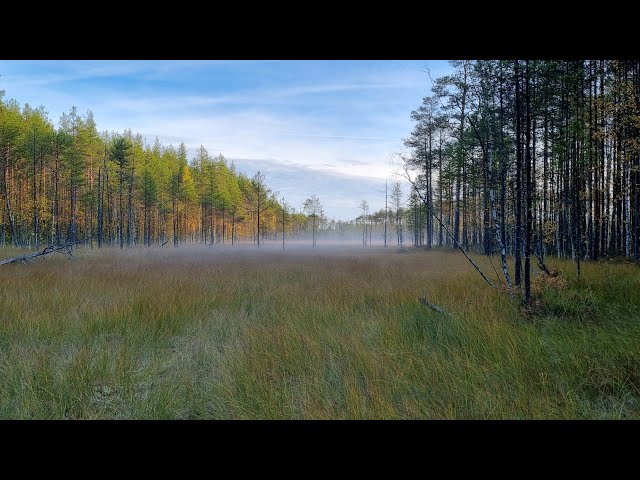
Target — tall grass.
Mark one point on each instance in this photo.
(236, 333)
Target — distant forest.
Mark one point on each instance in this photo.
(74, 185)
(71, 185)
(506, 157)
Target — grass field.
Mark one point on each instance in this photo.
(236, 333)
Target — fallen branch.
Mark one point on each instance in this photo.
(66, 249)
(453, 238)
(541, 264)
(165, 243)
(432, 306)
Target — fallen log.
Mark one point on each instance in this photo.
(432, 306)
(444, 227)
(541, 264)
(66, 249)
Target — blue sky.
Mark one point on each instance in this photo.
(313, 127)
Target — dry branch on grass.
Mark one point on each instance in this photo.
(423, 300)
(66, 249)
(541, 264)
(444, 227)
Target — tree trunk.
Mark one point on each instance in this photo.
(529, 225)
(36, 224)
(12, 226)
(518, 192)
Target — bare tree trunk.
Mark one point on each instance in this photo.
(385, 214)
(130, 207)
(12, 226)
(100, 207)
(120, 212)
(518, 192)
(26, 258)
(424, 201)
(461, 159)
(258, 224)
(35, 198)
(440, 236)
(529, 219)
(175, 222)
(498, 227)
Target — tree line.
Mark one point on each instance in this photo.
(526, 158)
(72, 185)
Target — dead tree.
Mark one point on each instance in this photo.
(432, 306)
(65, 249)
(455, 241)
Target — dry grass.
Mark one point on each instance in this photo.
(237, 333)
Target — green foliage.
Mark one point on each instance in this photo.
(60, 166)
(120, 151)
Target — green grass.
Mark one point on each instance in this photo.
(212, 333)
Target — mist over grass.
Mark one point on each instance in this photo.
(330, 332)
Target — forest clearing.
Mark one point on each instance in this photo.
(320, 239)
(325, 333)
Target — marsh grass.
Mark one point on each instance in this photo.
(240, 334)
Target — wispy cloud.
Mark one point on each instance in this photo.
(338, 137)
(75, 72)
(247, 97)
(61, 72)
